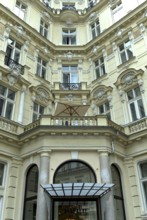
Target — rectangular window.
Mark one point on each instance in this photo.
(7, 101)
(143, 180)
(95, 29)
(13, 51)
(100, 67)
(37, 111)
(69, 36)
(135, 104)
(105, 109)
(20, 10)
(125, 50)
(117, 11)
(41, 68)
(44, 27)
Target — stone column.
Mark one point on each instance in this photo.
(21, 105)
(107, 202)
(42, 213)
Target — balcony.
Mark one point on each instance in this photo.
(14, 66)
(69, 7)
(70, 86)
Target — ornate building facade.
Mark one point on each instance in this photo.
(88, 57)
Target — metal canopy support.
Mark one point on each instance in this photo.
(77, 189)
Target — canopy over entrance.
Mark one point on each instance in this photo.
(77, 190)
(63, 109)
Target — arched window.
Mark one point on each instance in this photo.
(118, 195)
(74, 171)
(30, 201)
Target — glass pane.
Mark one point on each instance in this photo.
(2, 90)
(1, 173)
(2, 103)
(119, 209)
(97, 72)
(107, 107)
(130, 53)
(41, 110)
(16, 56)
(141, 108)
(66, 78)
(133, 111)
(11, 94)
(9, 110)
(35, 117)
(73, 40)
(43, 72)
(123, 57)
(101, 109)
(137, 92)
(130, 95)
(74, 78)
(75, 210)
(71, 171)
(35, 108)
(38, 71)
(145, 190)
(143, 167)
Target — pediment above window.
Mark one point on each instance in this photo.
(101, 93)
(128, 78)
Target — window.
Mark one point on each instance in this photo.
(117, 11)
(70, 76)
(100, 67)
(30, 201)
(143, 181)
(125, 50)
(105, 109)
(135, 104)
(68, 6)
(41, 68)
(69, 36)
(2, 173)
(7, 100)
(95, 29)
(20, 10)
(91, 3)
(44, 28)
(13, 51)
(118, 194)
(37, 111)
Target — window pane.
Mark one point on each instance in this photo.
(9, 110)
(16, 56)
(130, 95)
(2, 90)
(11, 94)
(137, 92)
(2, 103)
(141, 108)
(35, 117)
(35, 107)
(1, 173)
(145, 190)
(143, 167)
(101, 109)
(123, 57)
(41, 110)
(133, 111)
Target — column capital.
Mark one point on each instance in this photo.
(44, 152)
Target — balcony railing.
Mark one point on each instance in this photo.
(70, 86)
(69, 7)
(15, 66)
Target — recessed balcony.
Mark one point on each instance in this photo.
(13, 65)
(70, 86)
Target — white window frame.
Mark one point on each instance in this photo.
(20, 10)
(72, 73)
(37, 113)
(135, 101)
(100, 69)
(68, 35)
(117, 11)
(41, 69)
(105, 110)
(14, 48)
(125, 51)
(7, 101)
(44, 28)
(95, 29)
(142, 180)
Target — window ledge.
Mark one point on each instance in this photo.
(99, 78)
(127, 63)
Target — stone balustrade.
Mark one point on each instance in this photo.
(137, 126)
(10, 126)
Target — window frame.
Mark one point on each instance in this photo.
(18, 10)
(37, 114)
(40, 67)
(100, 67)
(125, 51)
(95, 30)
(44, 28)
(141, 180)
(7, 100)
(68, 36)
(106, 111)
(70, 74)
(135, 103)
(13, 49)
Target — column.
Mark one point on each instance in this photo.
(42, 213)
(108, 210)
(21, 105)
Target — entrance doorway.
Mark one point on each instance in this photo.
(75, 210)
